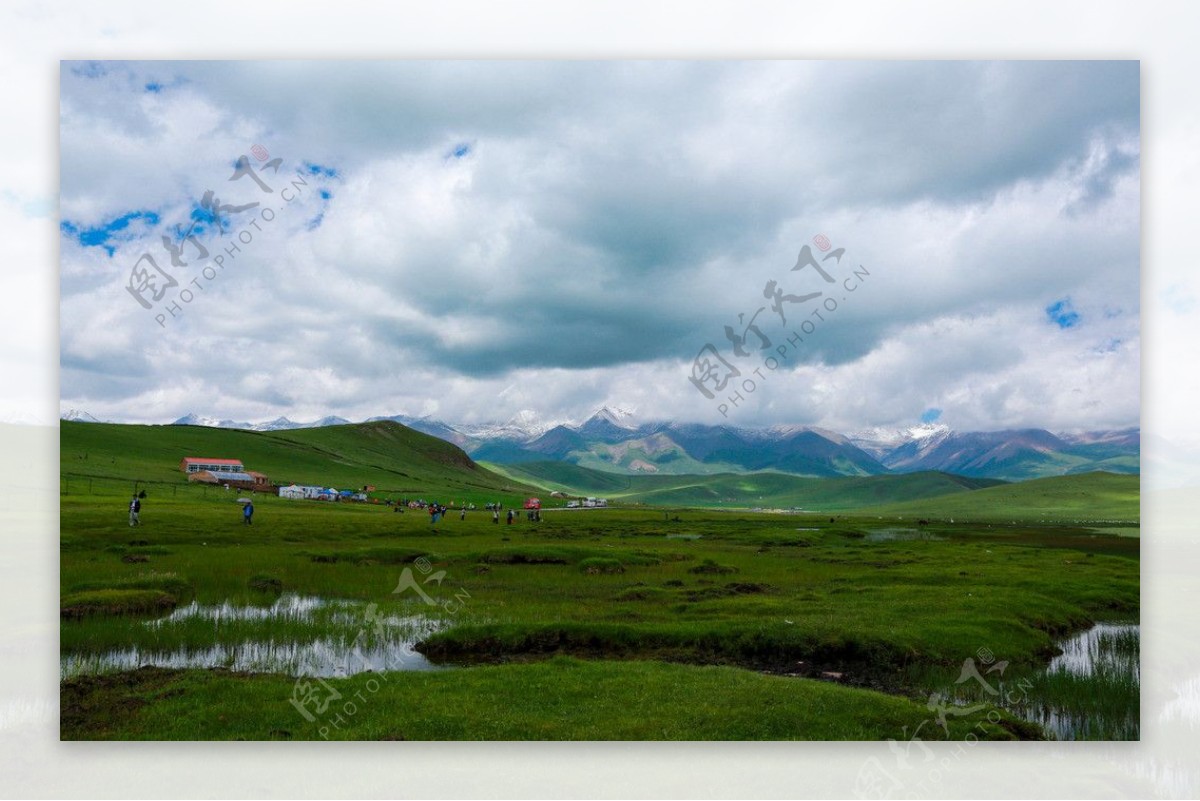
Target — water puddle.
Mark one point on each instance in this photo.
(324, 658)
(1090, 691)
(390, 646)
(684, 536)
(899, 535)
(1104, 648)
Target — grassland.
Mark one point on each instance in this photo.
(559, 699)
(741, 490)
(396, 459)
(623, 623)
(1108, 498)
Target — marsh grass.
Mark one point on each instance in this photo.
(601, 564)
(867, 609)
(115, 602)
(1091, 691)
(262, 582)
(370, 556)
(556, 699)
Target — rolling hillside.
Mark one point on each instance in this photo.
(778, 490)
(1098, 497)
(385, 454)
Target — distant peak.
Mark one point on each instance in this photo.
(329, 420)
(617, 416)
(79, 416)
(525, 417)
(193, 419)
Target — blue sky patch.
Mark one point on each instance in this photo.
(319, 170)
(1063, 314)
(931, 415)
(461, 150)
(104, 236)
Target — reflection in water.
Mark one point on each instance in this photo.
(1105, 647)
(1090, 691)
(390, 647)
(288, 606)
(325, 658)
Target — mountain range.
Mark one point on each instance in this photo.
(611, 441)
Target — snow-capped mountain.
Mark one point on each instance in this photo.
(524, 425)
(191, 419)
(1022, 453)
(79, 416)
(880, 441)
(278, 424)
(331, 420)
(609, 425)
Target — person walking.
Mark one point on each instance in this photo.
(248, 513)
(495, 516)
(510, 517)
(135, 509)
(463, 514)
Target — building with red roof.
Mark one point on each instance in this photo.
(194, 464)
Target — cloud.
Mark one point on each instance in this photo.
(482, 238)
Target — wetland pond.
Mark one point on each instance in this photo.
(343, 652)
(1090, 691)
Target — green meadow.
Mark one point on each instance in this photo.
(646, 620)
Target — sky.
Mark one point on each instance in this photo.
(474, 241)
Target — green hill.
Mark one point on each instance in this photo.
(1088, 497)
(742, 489)
(568, 477)
(385, 454)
